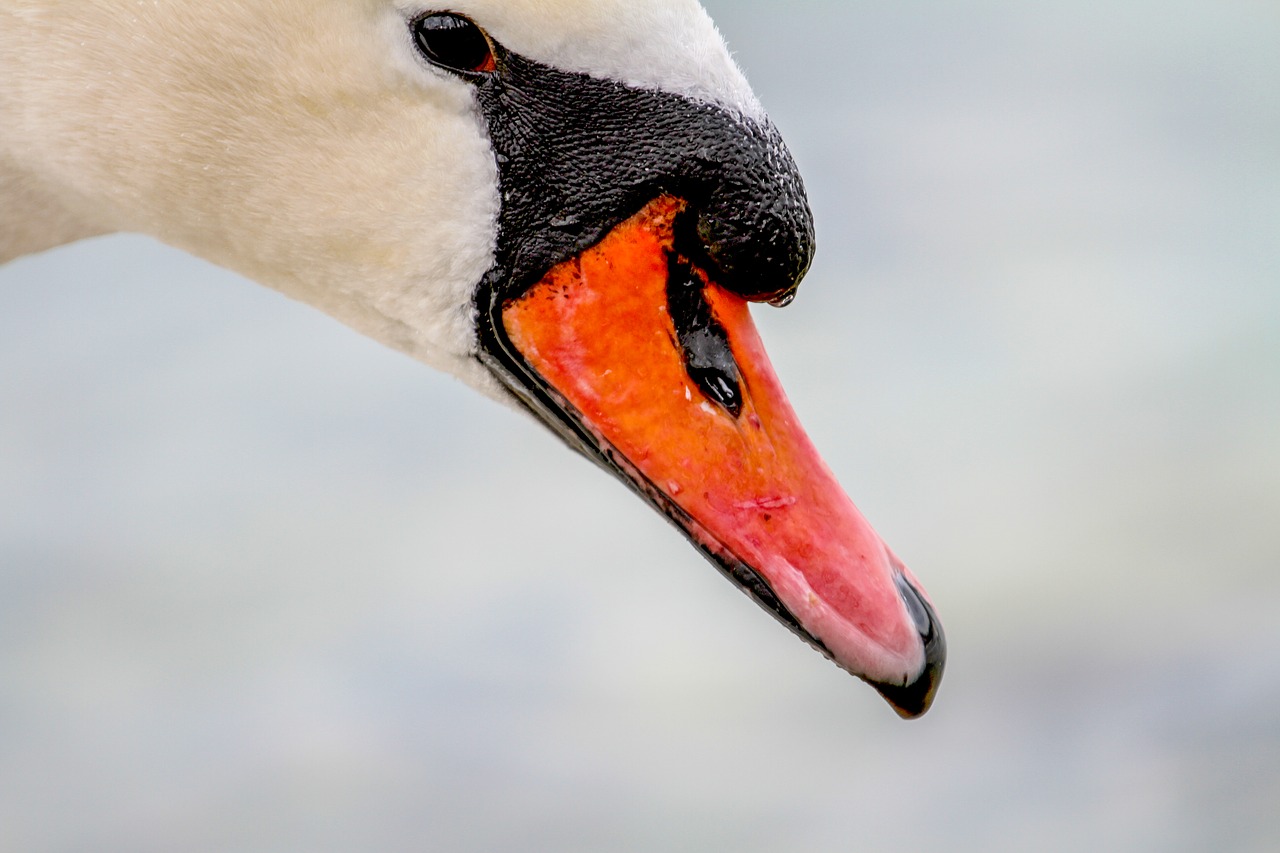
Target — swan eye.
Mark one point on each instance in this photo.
(453, 42)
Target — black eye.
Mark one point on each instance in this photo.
(453, 42)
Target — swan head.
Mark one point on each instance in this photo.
(569, 205)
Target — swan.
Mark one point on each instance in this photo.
(568, 204)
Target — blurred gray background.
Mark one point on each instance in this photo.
(265, 586)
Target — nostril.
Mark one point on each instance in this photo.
(704, 344)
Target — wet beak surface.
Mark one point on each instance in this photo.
(684, 403)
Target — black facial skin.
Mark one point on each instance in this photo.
(576, 157)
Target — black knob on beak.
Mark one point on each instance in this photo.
(755, 228)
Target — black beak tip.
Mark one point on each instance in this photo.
(912, 699)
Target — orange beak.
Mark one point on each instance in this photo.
(664, 372)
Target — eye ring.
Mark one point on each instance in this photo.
(453, 42)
